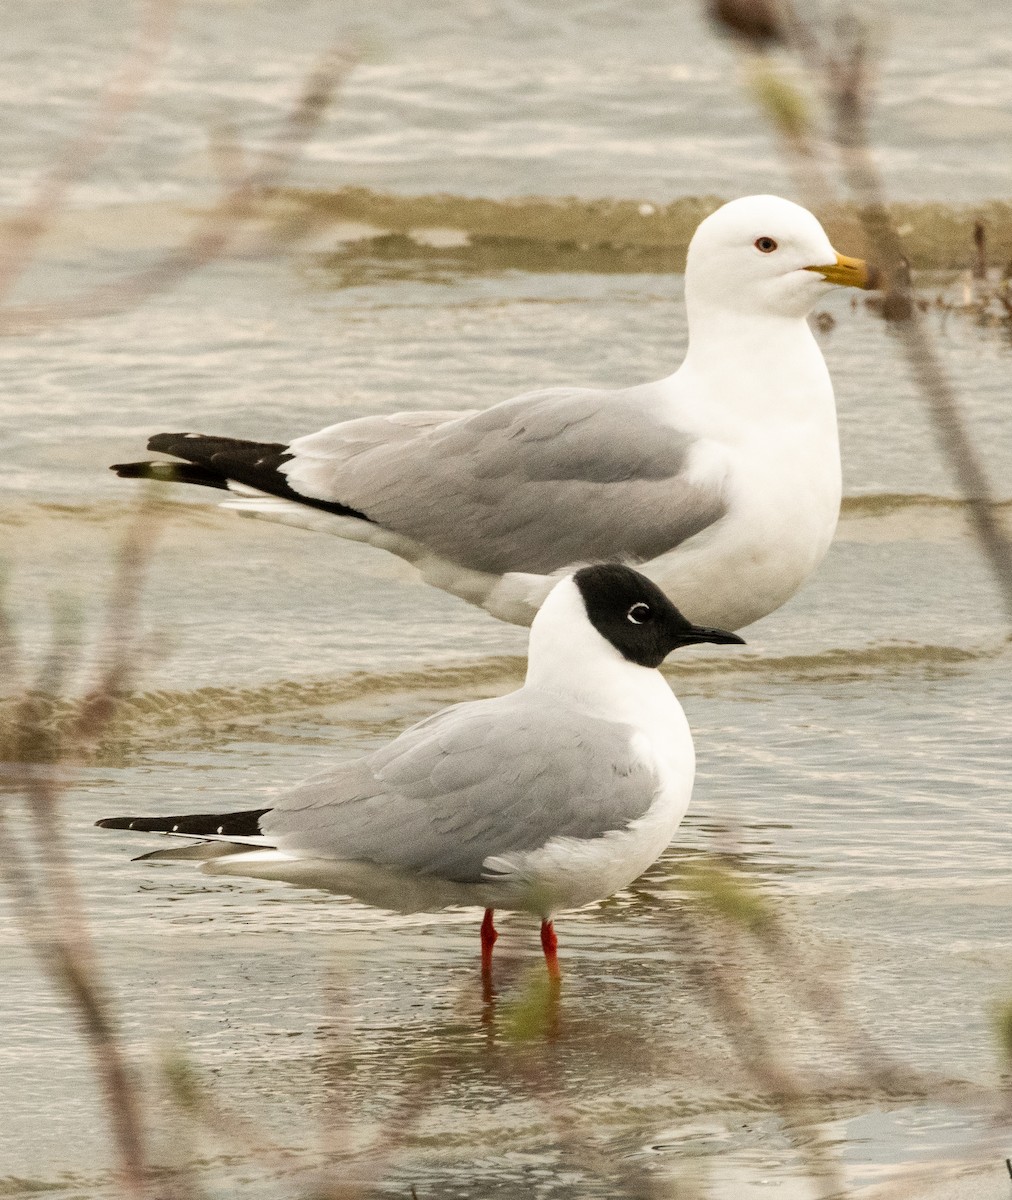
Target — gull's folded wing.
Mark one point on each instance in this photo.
(488, 779)
(535, 484)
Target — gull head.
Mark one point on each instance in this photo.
(765, 255)
(611, 603)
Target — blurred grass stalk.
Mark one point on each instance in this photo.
(35, 860)
(241, 206)
(47, 733)
(120, 96)
(837, 69)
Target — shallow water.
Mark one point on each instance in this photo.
(495, 97)
(853, 758)
(854, 755)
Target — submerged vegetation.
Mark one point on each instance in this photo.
(569, 233)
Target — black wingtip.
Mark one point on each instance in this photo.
(239, 824)
(134, 470)
(217, 461)
(166, 472)
(163, 443)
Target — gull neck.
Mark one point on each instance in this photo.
(755, 364)
(569, 659)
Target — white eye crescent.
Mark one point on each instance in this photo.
(639, 614)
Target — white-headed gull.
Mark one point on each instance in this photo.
(722, 481)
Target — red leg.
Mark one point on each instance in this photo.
(550, 945)
(488, 940)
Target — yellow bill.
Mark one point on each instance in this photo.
(849, 272)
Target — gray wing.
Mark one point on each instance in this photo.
(533, 484)
(488, 778)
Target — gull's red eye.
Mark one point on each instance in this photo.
(766, 244)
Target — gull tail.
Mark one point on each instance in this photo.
(230, 464)
(215, 835)
(243, 824)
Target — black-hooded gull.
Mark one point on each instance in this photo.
(543, 800)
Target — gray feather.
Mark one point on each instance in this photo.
(489, 778)
(534, 484)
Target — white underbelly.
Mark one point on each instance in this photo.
(731, 581)
(567, 873)
(570, 873)
(776, 532)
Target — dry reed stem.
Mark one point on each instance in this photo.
(839, 76)
(849, 93)
(37, 867)
(723, 927)
(216, 231)
(724, 982)
(118, 99)
(35, 864)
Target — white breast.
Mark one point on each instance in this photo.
(783, 505)
(571, 872)
(768, 439)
